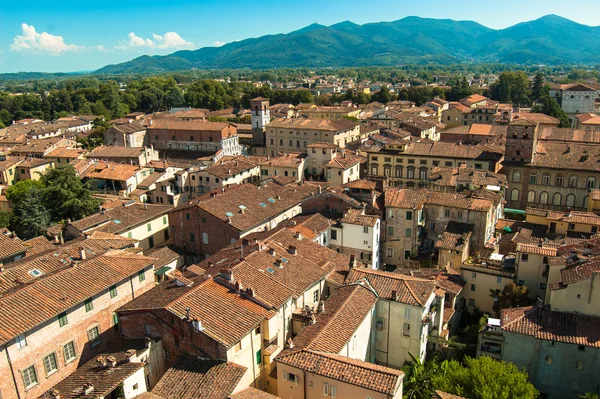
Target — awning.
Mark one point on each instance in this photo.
(507, 229)
(162, 270)
(517, 211)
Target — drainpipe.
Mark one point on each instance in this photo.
(253, 359)
(12, 372)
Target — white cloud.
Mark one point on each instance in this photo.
(218, 43)
(30, 40)
(169, 40)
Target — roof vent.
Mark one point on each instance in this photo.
(292, 250)
(298, 236)
(271, 252)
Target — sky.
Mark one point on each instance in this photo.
(84, 35)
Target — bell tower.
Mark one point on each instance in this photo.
(261, 116)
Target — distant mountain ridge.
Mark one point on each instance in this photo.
(411, 40)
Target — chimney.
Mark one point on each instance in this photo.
(298, 236)
(227, 274)
(88, 388)
(130, 354)
(82, 253)
(197, 324)
(238, 287)
(250, 292)
(278, 263)
(187, 313)
(292, 250)
(271, 252)
(320, 307)
(111, 361)
(352, 261)
(290, 343)
(319, 189)
(278, 196)
(101, 360)
(228, 171)
(145, 206)
(394, 295)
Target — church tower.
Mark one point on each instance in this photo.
(261, 116)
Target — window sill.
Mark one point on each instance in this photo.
(52, 372)
(27, 388)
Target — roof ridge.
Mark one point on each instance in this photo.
(363, 363)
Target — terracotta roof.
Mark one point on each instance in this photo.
(536, 249)
(46, 298)
(110, 171)
(64, 152)
(548, 325)
(581, 272)
(334, 327)
(573, 156)
(323, 145)
(310, 226)
(351, 371)
(575, 217)
(229, 166)
(210, 301)
(10, 245)
(537, 118)
(38, 244)
(261, 203)
(107, 152)
(127, 128)
(252, 393)
(409, 290)
(355, 216)
(416, 198)
(344, 162)
(177, 124)
(569, 135)
(341, 125)
(120, 218)
(455, 236)
(448, 176)
(473, 99)
(104, 379)
(406, 198)
(191, 377)
(289, 160)
(163, 256)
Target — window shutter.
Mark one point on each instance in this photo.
(284, 376)
(333, 391)
(325, 389)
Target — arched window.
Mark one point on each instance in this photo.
(533, 178)
(572, 181)
(557, 199)
(387, 170)
(204, 238)
(559, 181)
(590, 182)
(531, 196)
(423, 173)
(544, 198)
(570, 202)
(398, 170)
(516, 178)
(585, 201)
(410, 172)
(546, 179)
(514, 195)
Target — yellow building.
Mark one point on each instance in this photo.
(563, 223)
(332, 113)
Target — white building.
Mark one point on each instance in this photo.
(357, 235)
(576, 98)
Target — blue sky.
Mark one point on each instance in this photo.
(69, 35)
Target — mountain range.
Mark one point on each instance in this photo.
(411, 40)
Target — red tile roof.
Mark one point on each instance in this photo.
(545, 324)
(46, 298)
(356, 216)
(351, 371)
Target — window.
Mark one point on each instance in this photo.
(187, 216)
(192, 237)
(69, 352)
(499, 280)
(472, 302)
(113, 291)
(408, 233)
(50, 365)
(590, 182)
(149, 226)
(390, 231)
(21, 341)
(516, 178)
(524, 257)
(447, 213)
(89, 305)
(165, 220)
(141, 276)
(333, 391)
(29, 377)
(544, 198)
(258, 357)
(533, 178)
(380, 323)
(115, 320)
(238, 346)
(559, 181)
(408, 215)
(390, 252)
(366, 229)
(459, 215)
(514, 195)
(570, 201)
(406, 329)
(326, 389)
(557, 199)
(546, 179)
(406, 314)
(473, 287)
(531, 196)
(205, 238)
(581, 348)
(290, 377)
(94, 335)
(333, 234)
(542, 286)
(62, 319)
(316, 296)
(548, 360)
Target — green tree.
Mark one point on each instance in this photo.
(590, 395)
(17, 193)
(484, 378)
(418, 378)
(65, 196)
(549, 106)
(5, 219)
(513, 87)
(31, 216)
(537, 88)
(511, 296)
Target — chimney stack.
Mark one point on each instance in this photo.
(111, 361)
(271, 252)
(394, 295)
(321, 307)
(352, 261)
(82, 253)
(101, 360)
(187, 313)
(227, 274)
(55, 394)
(298, 236)
(293, 250)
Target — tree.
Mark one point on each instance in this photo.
(5, 219)
(537, 88)
(383, 95)
(511, 296)
(512, 87)
(418, 378)
(31, 216)
(65, 196)
(18, 192)
(590, 395)
(484, 378)
(549, 106)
